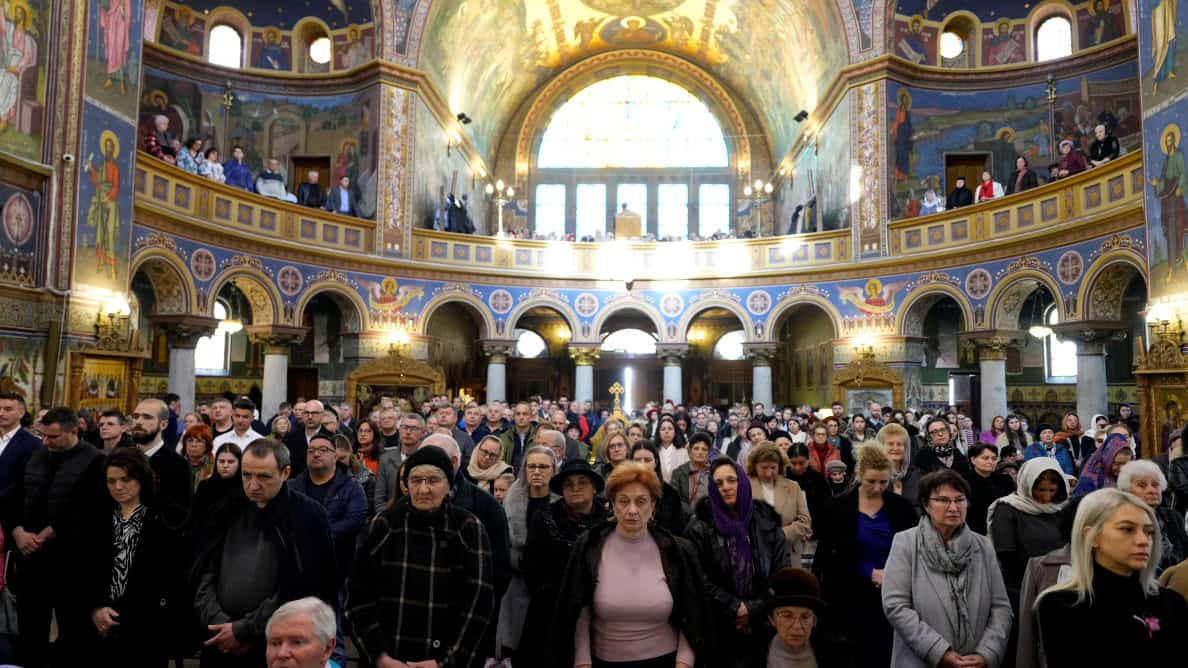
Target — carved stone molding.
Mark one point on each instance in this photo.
(761, 354)
(183, 331)
(583, 356)
(498, 349)
(993, 344)
(276, 338)
(672, 353)
(1092, 335)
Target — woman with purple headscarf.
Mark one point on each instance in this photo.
(1101, 470)
(740, 545)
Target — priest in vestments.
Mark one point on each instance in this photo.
(627, 224)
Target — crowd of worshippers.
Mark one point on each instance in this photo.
(1072, 160)
(158, 142)
(546, 534)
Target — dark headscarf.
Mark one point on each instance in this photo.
(735, 529)
(1096, 474)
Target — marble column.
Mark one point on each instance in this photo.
(761, 355)
(276, 340)
(181, 335)
(673, 382)
(497, 352)
(992, 352)
(1091, 337)
(583, 386)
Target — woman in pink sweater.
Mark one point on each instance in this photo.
(631, 593)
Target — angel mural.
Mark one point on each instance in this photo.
(389, 298)
(18, 53)
(874, 299)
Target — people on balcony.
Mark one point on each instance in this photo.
(931, 203)
(211, 168)
(271, 182)
(1071, 161)
(190, 157)
(989, 188)
(341, 199)
(158, 141)
(961, 196)
(1024, 178)
(311, 193)
(237, 172)
(1104, 148)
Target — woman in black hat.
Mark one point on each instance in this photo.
(793, 609)
(551, 538)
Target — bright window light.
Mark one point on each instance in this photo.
(630, 342)
(730, 346)
(1053, 39)
(628, 380)
(951, 45)
(529, 344)
(226, 47)
(713, 210)
(210, 355)
(550, 209)
(673, 210)
(591, 209)
(319, 50)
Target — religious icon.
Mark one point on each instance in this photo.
(19, 53)
(391, 297)
(273, 55)
(911, 46)
(1170, 188)
(181, 31)
(874, 299)
(1163, 41)
(104, 211)
(902, 135)
(18, 220)
(115, 18)
(1006, 46)
(1102, 24)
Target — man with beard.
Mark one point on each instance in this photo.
(172, 471)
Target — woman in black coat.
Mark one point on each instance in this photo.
(1022, 178)
(551, 538)
(814, 485)
(740, 543)
(855, 540)
(132, 587)
(673, 512)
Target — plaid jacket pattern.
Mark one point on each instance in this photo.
(422, 587)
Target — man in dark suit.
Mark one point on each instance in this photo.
(297, 440)
(173, 473)
(311, 193)
(16, 445)
(559, 421)
(341, 199)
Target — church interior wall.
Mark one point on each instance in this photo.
(29, 59)
(925, 124)
(806, 358)
(440, 171)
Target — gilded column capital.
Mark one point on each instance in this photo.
(583, 356)
(1091, 335)
(498, 349)
(993, 344)
(276, 338)
(672, 353)
(761, 354)
(184, 330)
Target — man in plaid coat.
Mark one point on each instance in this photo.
(421, 592)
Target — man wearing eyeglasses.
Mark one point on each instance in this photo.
(939, 451)
(332, 486)
(411, 431)
(297, 441)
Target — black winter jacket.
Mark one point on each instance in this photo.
(691, 613)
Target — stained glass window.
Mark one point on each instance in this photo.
(713, 209)
(633, 121)
(550, 210)
(591, 209)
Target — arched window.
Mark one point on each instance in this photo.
(1053, 38)
(1060, 356)
(952, 45)
(226, 47)
(730, 346)
(630, 342)
(529, 344)
(210, 355)
(656, 147)
(319, 50)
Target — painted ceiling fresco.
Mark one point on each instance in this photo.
(487, 56)
(284, 14)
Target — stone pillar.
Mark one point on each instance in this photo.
(583, 386)
(276, 340)
(1091, 337)
(992, 351)
(497, 352)
(761, 355)
(673, 382)
(181, 334)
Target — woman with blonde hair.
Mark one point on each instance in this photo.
(1115, 548)
(614, 452)
(852, 555)
(766, 465)
(896, 442)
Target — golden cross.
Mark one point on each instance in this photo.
(617, 391)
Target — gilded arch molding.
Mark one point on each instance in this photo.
(1006, 300)
(561, 308)
(922, 299)
(781, 309)
(262, 294)
(1106, 281)
(697, 308)
(679, 71)
(482, 314)
(592, 333)
(354, 310)
(172, 285)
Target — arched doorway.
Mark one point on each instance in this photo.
(318, 366)
(454, 332)
(627, 355)
(940, 367)
(716, 371)
(804, 363)
(540, 364)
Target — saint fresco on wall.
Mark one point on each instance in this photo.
(23, 57)
(113, 54)
(1100, 21)
(181, 29)
(104, 201)
(1004, 43)
(353, 47)
(272, 50)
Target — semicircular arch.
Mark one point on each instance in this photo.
(781, 309)
(1094, 306)
(924, 297)
(262, 294)
(173, 286)
(1006, 299)
(354, 310)
(629, 304)
(478, 309)
(691, 313)
(561, 308)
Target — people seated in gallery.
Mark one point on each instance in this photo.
(931, 203)
(158, 141)
(961, 196)
(341, 199)
(989, 188)
(1071, 161)
(1104, 148)
(311, 193)
(211, 168)
(190, 157)
(237, 172)
(271, 182)
(1022, 178)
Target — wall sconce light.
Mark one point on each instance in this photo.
(112, 323)
(398, 341)
(463, 118)
(864, 346)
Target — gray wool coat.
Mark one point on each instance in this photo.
(514, 607)
(919, 608)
